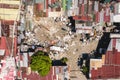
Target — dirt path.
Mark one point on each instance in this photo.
(75, 47)
(73, 57)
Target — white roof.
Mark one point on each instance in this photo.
(25, 59)
(2, 52)
(114, 35)
(110, 45)
(55, 14)
(115, 42)
(116, 18)
(24, 47)
(56, 48)
(118, 44)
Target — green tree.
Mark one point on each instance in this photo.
(84, 69)
(64, 60)
(41, 63)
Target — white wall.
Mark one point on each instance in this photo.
(116, 18)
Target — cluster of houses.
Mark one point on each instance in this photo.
(84, 12)
(9, 19)
(15, 58)
(87, 14)
(109, 65)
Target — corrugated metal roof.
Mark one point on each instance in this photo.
(82, 18)
(110, 46)
(35, 76)
(25, 59)
(39, 1)
(6, 43)
(54, 72)
(17, 2)
(2, 52)
(111, 68)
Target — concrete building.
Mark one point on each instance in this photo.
(9, 19)
(9, 10)
(7, 63)
(116, 17)
(83, 29)
(48, 8)
(9, 15)
(56, 73)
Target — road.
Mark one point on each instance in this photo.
(73, 58)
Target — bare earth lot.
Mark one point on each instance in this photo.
(46, 29)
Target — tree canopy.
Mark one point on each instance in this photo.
(41, 63)
(84, 69)
(64, 60)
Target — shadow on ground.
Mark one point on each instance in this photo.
(58, 63)
(102, 45)
(101, 49)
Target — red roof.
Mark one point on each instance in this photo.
(9, 6)
(35, 76)
(6, 43)
(111, 68)
(82, 18)
(55, 70)
(40, 6)
(8, 22)
(105, 72)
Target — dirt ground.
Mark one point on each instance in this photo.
(73, 58)
(46, 29)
